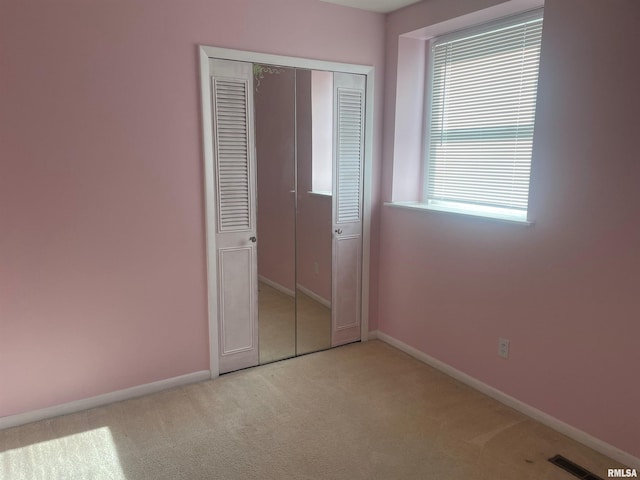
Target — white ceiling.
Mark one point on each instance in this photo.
(382, 6)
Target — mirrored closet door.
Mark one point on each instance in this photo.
(314, 133)
(275, 124)
(288, 160)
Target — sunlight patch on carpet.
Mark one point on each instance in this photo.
(90, 454)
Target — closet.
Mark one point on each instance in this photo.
(285, 209)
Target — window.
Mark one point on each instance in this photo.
(481, 112)
(321, 132)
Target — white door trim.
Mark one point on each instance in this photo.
(205, 53)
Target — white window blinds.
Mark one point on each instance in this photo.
(481, 121)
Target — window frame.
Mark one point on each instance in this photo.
(451, 207)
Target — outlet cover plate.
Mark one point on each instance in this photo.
(503, 347)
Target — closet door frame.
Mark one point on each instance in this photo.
(208, 52)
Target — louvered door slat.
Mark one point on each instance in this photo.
(350, 118)
(231, 108)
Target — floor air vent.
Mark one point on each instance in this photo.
(573, 469)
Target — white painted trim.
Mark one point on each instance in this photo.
(207, 52)
(105, 399)
(210, 212)
(283, 61)
(277, 286)
(373, 334)
(314, 295)
(423, 207)
(367, 202)
(321, 194)
(544, 418)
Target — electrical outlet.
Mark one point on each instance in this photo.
(316, 268)
(503, 347)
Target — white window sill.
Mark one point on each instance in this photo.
(321, 193)
(439, 210)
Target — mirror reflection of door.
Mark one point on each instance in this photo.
(274, 100)
(301, 249)
(314, 100)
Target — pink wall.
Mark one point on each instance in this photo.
(275, 120)
(313, 216)
(322, 130)
(102, 253)
(408, 146)
(564, 290)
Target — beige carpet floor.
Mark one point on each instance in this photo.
(314, 325)
(289, 326)
(276, 324)
(363, 411)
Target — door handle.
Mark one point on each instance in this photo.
(253, 239)
(338, 231)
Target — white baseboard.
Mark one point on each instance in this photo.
(314, 295)
(544, 418)
(277, 286)
(100, 400)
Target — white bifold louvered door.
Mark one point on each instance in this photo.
(234, 166)
(348, 166)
